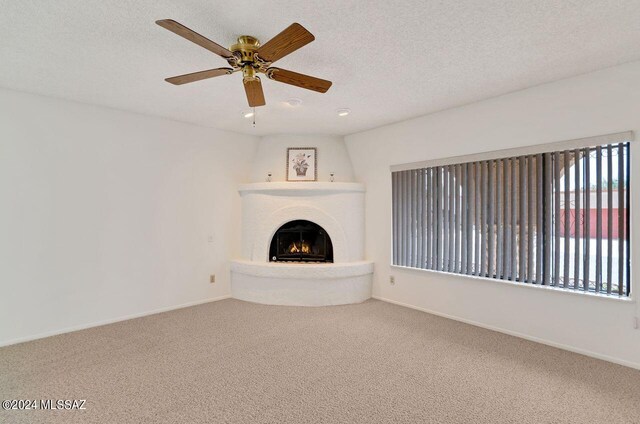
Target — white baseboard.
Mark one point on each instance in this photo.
(109, 321)
(629, 364)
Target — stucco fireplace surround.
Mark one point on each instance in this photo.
(338, 208)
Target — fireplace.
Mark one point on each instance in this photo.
(301, 241)
(316, 258)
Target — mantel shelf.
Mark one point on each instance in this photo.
(301, 188)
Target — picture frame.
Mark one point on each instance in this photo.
(302, 164)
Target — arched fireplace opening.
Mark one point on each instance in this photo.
(301, 241)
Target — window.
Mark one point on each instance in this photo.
(550, 218)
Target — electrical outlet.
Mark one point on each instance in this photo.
(392, 280)
(212, 278)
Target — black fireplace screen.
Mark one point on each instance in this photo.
(301, 241)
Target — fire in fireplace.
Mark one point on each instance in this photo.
(299, 247)
(301, 241)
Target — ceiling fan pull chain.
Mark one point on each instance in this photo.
(254, 117)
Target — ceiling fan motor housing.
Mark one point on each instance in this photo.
(245, 49)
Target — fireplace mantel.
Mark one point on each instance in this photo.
(301, 188)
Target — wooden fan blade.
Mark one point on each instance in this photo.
(299, 80)
(197, 76)
(194, 37)
(289, 40)
(255, 95)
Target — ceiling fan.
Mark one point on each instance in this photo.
(251, 58)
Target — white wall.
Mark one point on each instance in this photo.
(271, 157)
(603, 102)
(106, 214)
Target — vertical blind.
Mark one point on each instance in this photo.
(556, 218)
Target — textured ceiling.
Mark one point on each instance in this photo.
(388, 60)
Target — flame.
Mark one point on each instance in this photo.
(299, 247)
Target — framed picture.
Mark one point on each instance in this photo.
(302, 164)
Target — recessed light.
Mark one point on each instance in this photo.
(343, 112)
(247, 114)
(294, 101)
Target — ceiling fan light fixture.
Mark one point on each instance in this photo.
(343, 111)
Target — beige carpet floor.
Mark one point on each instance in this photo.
(238, 362)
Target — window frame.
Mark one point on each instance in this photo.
(615, 138)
